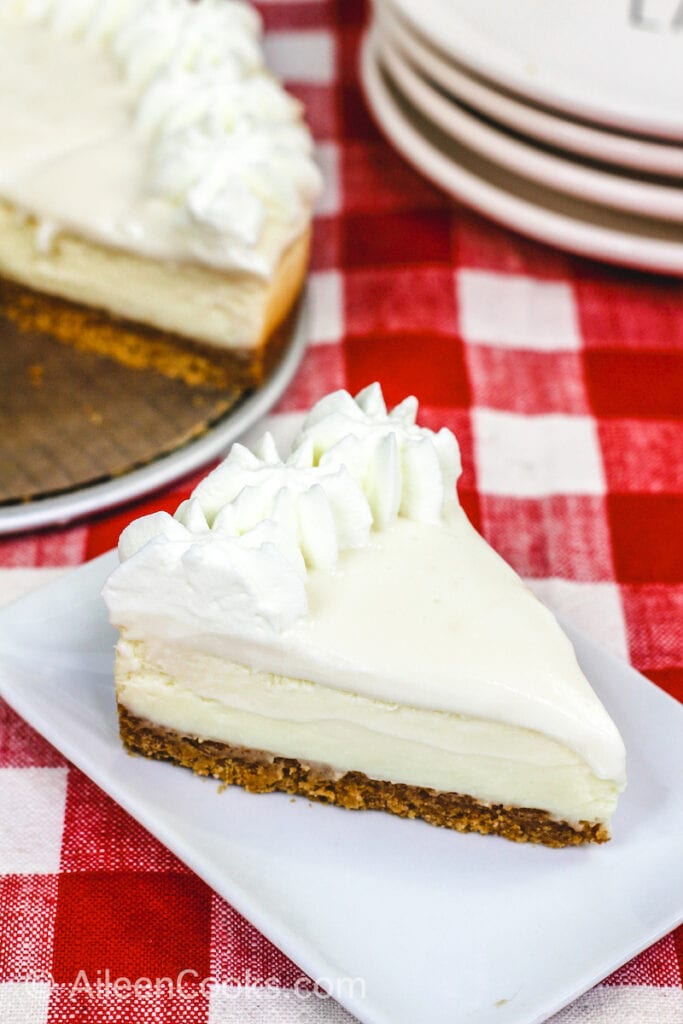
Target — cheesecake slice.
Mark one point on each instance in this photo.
(332, 625)
(156, 182)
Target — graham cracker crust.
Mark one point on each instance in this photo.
(140, 347)
(260, 772)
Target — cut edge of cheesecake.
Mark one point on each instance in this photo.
(202, 325)
(260, 771)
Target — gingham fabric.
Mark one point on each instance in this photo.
(563, 381)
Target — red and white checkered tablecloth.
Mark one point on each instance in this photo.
(563, 381)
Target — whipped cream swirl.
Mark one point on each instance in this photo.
(255, 525)
(404, 469)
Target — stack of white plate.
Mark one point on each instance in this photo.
(561, 120)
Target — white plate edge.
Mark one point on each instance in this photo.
(623, 151)
(470, 49)
(524, 159)
(550, 228)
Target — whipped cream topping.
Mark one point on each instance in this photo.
(321, 509)
(405, 469)
(352, 564)
(199, 154)
(353, 467)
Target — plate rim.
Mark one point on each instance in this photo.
(469, 47)
(590, 141)
(522, 157)
(588, 240)
(275, 928)
(62, 509)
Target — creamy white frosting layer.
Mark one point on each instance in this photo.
(201, 695)
(426, 615)
(152, 127)
(352, 565)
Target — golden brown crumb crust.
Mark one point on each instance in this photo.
(260, 772)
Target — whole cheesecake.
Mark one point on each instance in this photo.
(156, 182)
(332, 625)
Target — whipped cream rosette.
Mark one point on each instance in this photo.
(354, 468)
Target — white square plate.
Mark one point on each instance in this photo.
(440, 926)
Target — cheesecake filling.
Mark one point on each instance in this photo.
(232, 311)
(425, 614)
(207, 697)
